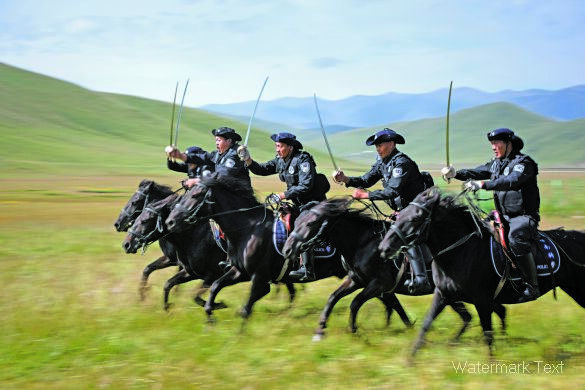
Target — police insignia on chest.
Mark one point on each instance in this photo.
(291, 170)
(506, 171)
(230, 163)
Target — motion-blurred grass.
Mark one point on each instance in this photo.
(72, 318)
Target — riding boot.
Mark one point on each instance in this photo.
(419, 284)
(305, 273)
(528, 269)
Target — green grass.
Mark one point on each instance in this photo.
(72, 317)
(71, 314)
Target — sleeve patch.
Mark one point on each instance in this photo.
(305, 167)
(397, 172)
(519, 168)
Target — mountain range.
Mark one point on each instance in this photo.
(376, 110)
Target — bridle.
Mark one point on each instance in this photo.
(145, 239)
(420, 235)
(191, 213)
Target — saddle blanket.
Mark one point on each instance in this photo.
(545, 253)
(280, 234)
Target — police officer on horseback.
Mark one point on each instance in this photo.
(304, 185)
(192, 170)
(402, 182)
(224, 160)
(512, 177)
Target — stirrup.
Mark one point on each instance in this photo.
(531, 293)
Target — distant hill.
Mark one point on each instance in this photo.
(51, 127)
(366, 111)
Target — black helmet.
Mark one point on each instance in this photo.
(385, 136)
(226, 132)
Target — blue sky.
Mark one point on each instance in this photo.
(332, 48)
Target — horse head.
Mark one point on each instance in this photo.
(412, 224)
(149, 226)
(190, 208)
(148, 191)
(311, 226)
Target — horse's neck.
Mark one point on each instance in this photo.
(236, 224)
(345, 233)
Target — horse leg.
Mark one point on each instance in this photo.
(292, 292)
(373, 289)
(484, 310)
(258, 290)
(347, 287)
(160, 263)
(392, 303)
(437, 306)
(179, 278)
(232, 276)
(500, 310)
(465, 315)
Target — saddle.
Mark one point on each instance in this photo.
(284, 224)
(546, 254)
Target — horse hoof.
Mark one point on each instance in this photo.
(168, 306)
(220, 305)
(211, 320)
(318, 337)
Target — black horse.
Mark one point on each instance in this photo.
(248, 226)
(357, 235)
(195, 247)
(462, 245)
(149, 192)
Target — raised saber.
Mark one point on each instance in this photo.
(254, 112)
(180, 114)
(323, 131)
(447, 129)
(173, 115)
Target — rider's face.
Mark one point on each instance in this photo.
(385, 148)
(501, 148)
(283, 150)
(222, 144)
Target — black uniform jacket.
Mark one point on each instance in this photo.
(401, 179)
(513, 180)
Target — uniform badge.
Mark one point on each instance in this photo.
(397, 172)
(291, 170)
(305, 167)
(519, 168)
(230, 163)
(506, 171)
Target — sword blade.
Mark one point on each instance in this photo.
(447, 127)
(180, 114)
(324, 134)
(254, 112)
(173, 114)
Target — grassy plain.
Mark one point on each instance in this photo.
(72, 318)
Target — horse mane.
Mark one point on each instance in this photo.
(172, 198)
(231, 184)
(157, 189)
(337, 206)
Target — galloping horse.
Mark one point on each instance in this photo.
(462, 247)
(357, 235)
(248, 226)
(149, 192)
(195, 247)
